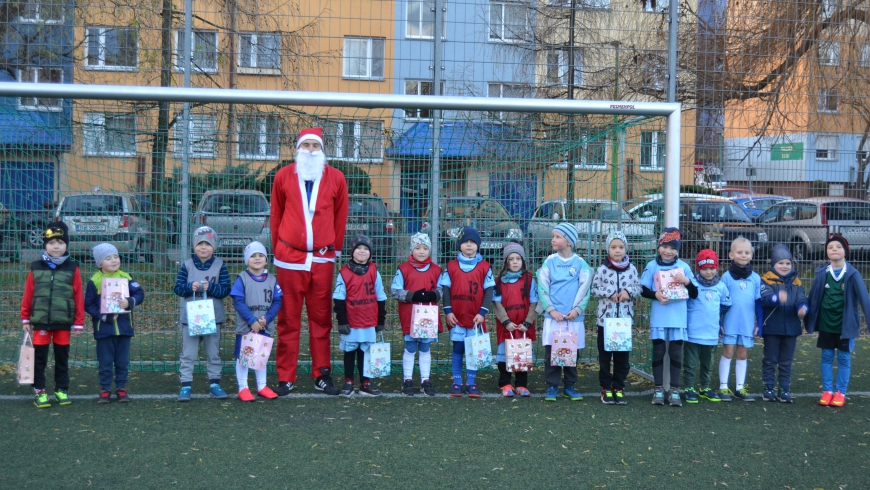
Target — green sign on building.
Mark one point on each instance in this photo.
(787, 151)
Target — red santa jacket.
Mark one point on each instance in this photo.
(301, 236)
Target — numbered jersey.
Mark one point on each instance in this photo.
(414, 281)
(258, 298)
(362, 297)
(212, 275)
(466, 291)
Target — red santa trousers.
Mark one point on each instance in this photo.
(314, 289)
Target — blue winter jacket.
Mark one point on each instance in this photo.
(855, 293)
(780, 318)
(119, 325)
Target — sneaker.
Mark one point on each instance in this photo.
(658, 396)
(523, 391)
(768, 395)
(369, 389)
(619, 397)
(572, 394)
(184, 394)
(267, 393)
(709, 394)
(122, 395)
(427, 388)
(246, 396)
(472, 391)
(607, 397)
(691, 396)
(324, 384)
(784, 396)
(455, 390)
(407, 388)
(347, 390)
(674, 399)
(40, 399)
(725, 395)
(550, 396)
(218, 392)
(839, 399)
(105, 395)
(507, 391)
(62, 398)
(284, 389)
(744, 395)
(826, 398)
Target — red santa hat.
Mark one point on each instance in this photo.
(315, 134)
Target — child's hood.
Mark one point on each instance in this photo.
(772, 278)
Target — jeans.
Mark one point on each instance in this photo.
(844, 369)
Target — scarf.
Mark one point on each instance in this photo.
(706, 283)
(620, 266)
(740, 271)
(418, 264)
(660, 261)
(771, 277)
(53, 262)
(98, 277)
(467, 264)
(358, 269)
(511, 277)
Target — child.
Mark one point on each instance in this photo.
(668, 318)
(514, 301)
(615, 284)
(837, 291)
(360, 306)
(563, 293)
(466, 288)
(416, 281)
(112, 332)
(742, 321)
(257, 299)
(705, 311)
(785, 305)
(53, 285)
(202, 272)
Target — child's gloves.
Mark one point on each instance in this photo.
(379, 328)
(344, 329)
(430, 297)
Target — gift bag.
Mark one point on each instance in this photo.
(563, 349)
(26, 361)
(200, 317)
(518, 354)
(478, 350)
(666, 283)
(254, 351)
(377, 360)
(424, 321)
(617, 334)
(112, 291)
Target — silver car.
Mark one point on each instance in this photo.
(238, 216)
(804, 224)
(102, 216)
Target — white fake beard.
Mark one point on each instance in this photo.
(310, 164)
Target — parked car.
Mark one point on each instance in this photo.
(238, 217)
(368, 215)
(24, 227)
(594, 219)
(101, 216)
(757, 204)
(650, 208)
(730, 192)
(804, 224)
(495, 224)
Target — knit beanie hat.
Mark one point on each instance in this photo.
(615, 235)
(56, 230)
(672, 237)
(468, 233)
(205, 234)
(780, 252)
(420, 238)
(252, 248)
(568, 231)
(836, 237)
(102, 251)
(707, 259)
(361, 240)
(514, 247)
(315, 134)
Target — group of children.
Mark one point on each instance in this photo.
(734, 310)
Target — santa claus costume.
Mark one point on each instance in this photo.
(308, 219)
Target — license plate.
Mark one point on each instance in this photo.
(357, 227)
(90, 227)
(857, 229)
(234, 241)
(490, 245)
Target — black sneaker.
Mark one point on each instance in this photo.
(744, 395)
(324, 383)
(784, 396)
(284, 389)
(427, 388)
(768, 395)
(347, 391)
(105, 395)
(408, 388)
(368, 389)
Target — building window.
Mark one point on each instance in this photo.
(655, 5)
(35, 74)
(108, 134)
(360, 141)
(112, 48)
(590, 154)
(505, 90)
(826, 147)
(258, 137)
(557, 68)
(508, 21)
(828, 100)
(420, 87)
(48, 11)
(260, 54)
(829, 53)
(203, 135)
(652, 150)
(204, 54)
(364, 58)
(864, 55)
(421, 19)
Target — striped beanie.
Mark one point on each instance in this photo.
(568, 231)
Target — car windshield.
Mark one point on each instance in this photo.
(599, 210)
(474, 208)
(847, 211)
(717, 212)
(366, 207)
(236, 204)
(100, 205)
